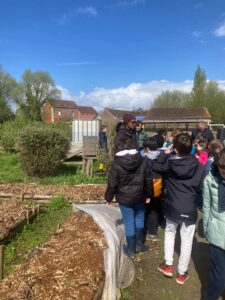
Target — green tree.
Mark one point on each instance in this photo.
(7, 88)
(215, 101)
(198, 91)
(171, 99)
(35, 88)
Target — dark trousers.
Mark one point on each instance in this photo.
(152, 212)
(216, 283)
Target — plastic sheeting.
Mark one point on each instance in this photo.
(119, 269)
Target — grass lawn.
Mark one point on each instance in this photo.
(36, 233)
(68, 173)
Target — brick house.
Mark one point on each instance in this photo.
(156, 118)
(66, 110)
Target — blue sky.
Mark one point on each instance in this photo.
(115, 52)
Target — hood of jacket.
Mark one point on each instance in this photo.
(129, 160)
(184, 166)
(152, 154)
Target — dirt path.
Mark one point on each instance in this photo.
(149, 284)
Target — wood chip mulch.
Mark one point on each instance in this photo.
(72, 193)
(69, 266)
(12, 215)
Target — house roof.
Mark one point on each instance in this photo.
(86, 110)
(62, 103)
(177, 114)
(117, 113)
(166, 114)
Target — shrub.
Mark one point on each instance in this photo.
(10, 131)
(41, 151)
(8, 141)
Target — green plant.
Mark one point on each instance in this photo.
(10, 131)
(57, 203)
(41, 151)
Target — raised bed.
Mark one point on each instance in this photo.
(74, 193)
(13, 216)
(69, 266)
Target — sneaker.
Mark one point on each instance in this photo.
(142, 248)
(151, 237)
(182, 278)
(166, 269)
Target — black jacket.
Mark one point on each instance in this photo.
(184, 176)
(129, 180)
(123, 134)
(206, 134)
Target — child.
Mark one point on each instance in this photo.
(214, 225)
(183, 175)
(155, 206)
(130, 181)
(201, 150)
(213, 149)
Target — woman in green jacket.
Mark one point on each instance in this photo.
(214, 225)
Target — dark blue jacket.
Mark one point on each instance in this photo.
(102, 140)
(184, 175)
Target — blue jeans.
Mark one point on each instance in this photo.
(216, 284)
(133, 217)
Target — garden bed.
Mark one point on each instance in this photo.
(69, 266)
(73, 193)
(13, 216)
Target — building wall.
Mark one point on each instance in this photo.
(108, 120)
(80, 116)
(63, 114)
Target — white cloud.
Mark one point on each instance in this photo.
(220, 31)
(89, 10)
(196, 34)
(86, 10)
(130, 2)
(65, 94)
(135, 95)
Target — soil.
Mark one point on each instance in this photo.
(69, 266)
(72, 193)
(12, 215)
(149, 284)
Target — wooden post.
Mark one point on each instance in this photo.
(91, 168)
(1, 262)
(27, 216)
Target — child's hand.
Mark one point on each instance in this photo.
(147, 201)
(169, 149)
(109, 204)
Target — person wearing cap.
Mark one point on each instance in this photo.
(141, 134)
(127, 131)
(214, 225)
